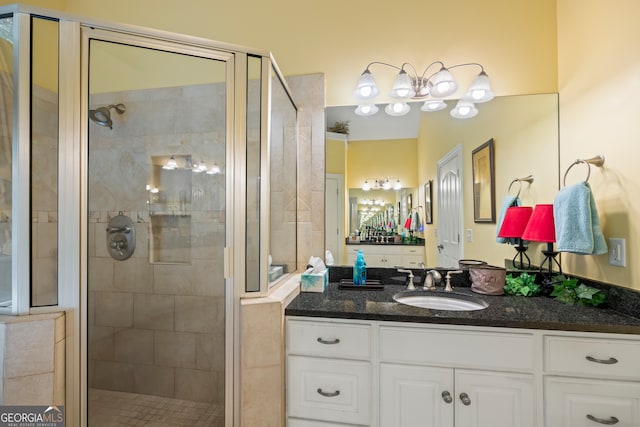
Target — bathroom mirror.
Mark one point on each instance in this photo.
(484, 192)
(524, 129)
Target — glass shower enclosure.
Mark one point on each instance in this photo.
(157, 145)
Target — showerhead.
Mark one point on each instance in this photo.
(102, 115)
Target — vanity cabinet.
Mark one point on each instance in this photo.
(388, 255)
(591, 381)
(329, 376)
(442, 377)
(404, 374)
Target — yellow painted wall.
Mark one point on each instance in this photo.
(377, 159)
(515, 40)
(525, 133)
(335, 156)
(598, 74)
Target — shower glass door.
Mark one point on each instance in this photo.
(156, 209)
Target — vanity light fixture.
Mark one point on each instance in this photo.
(436, 86)
(382, 184)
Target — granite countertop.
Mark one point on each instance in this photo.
(503, 311)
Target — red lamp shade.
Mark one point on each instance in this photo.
(515, 221)
(541, 227)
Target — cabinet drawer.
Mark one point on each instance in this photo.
(328, 390)
(456, 348)
(611, 358)
(341, 340)
(576, 402)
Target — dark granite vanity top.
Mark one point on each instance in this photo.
(503, 311)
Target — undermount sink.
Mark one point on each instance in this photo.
(450, 301)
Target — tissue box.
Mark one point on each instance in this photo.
(314, 282)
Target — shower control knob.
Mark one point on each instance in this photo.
(121, 237)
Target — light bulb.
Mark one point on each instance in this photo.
(443, 87)
(397, 107)
(464, 110)
(365, 91)
(478, 94)
(403, 93)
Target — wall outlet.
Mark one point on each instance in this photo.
(617, 252)
(469, 235)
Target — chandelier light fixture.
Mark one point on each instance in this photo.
(381, 184)
(431, 88)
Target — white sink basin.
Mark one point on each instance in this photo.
(440, 301)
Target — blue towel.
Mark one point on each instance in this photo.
(507, 202)
(577, 222)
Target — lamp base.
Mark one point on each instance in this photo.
(549, 259)
(521, 254)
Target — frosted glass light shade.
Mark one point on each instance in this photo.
(443, 84)
(366, 88)
(480, 90)
(397, 109)
(433, 105)
(402, 86)
(366, 110)
(464, 110)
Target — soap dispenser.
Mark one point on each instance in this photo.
(360, 270)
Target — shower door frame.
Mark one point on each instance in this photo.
(234, 207)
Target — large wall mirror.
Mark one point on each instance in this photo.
(524, 130)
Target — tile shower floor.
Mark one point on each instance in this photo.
(115, 408)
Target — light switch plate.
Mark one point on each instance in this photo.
(469, 235)
(617, 252)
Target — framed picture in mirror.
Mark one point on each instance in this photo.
(484, 199)
(428, 210)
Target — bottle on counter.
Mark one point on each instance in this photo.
(360, 270)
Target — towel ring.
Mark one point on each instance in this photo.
(597, 160)
(528, 179)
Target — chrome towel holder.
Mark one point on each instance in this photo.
(596, 161)
(528, 179)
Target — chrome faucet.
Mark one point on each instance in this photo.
(410, 285)
(431, 279)
(448, 287)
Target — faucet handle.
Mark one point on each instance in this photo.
(448, 287)
(410, 285)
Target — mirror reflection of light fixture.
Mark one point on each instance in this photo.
(171, 164)
(412, 86)
(215, 169)
(382, 184)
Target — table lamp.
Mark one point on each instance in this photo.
(514, 223)
(541, 228)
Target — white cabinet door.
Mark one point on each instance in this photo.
(572, 402)
(416, 396)
(494, 399)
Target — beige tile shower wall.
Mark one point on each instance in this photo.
(32, 355)
(157, 328)
(309, 95)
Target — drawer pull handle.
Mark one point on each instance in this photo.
(330, 394)
(335, 341)
(609, 361)
(446, 396)
(611, 421)
(464, 397)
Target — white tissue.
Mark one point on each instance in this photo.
(316, 265)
